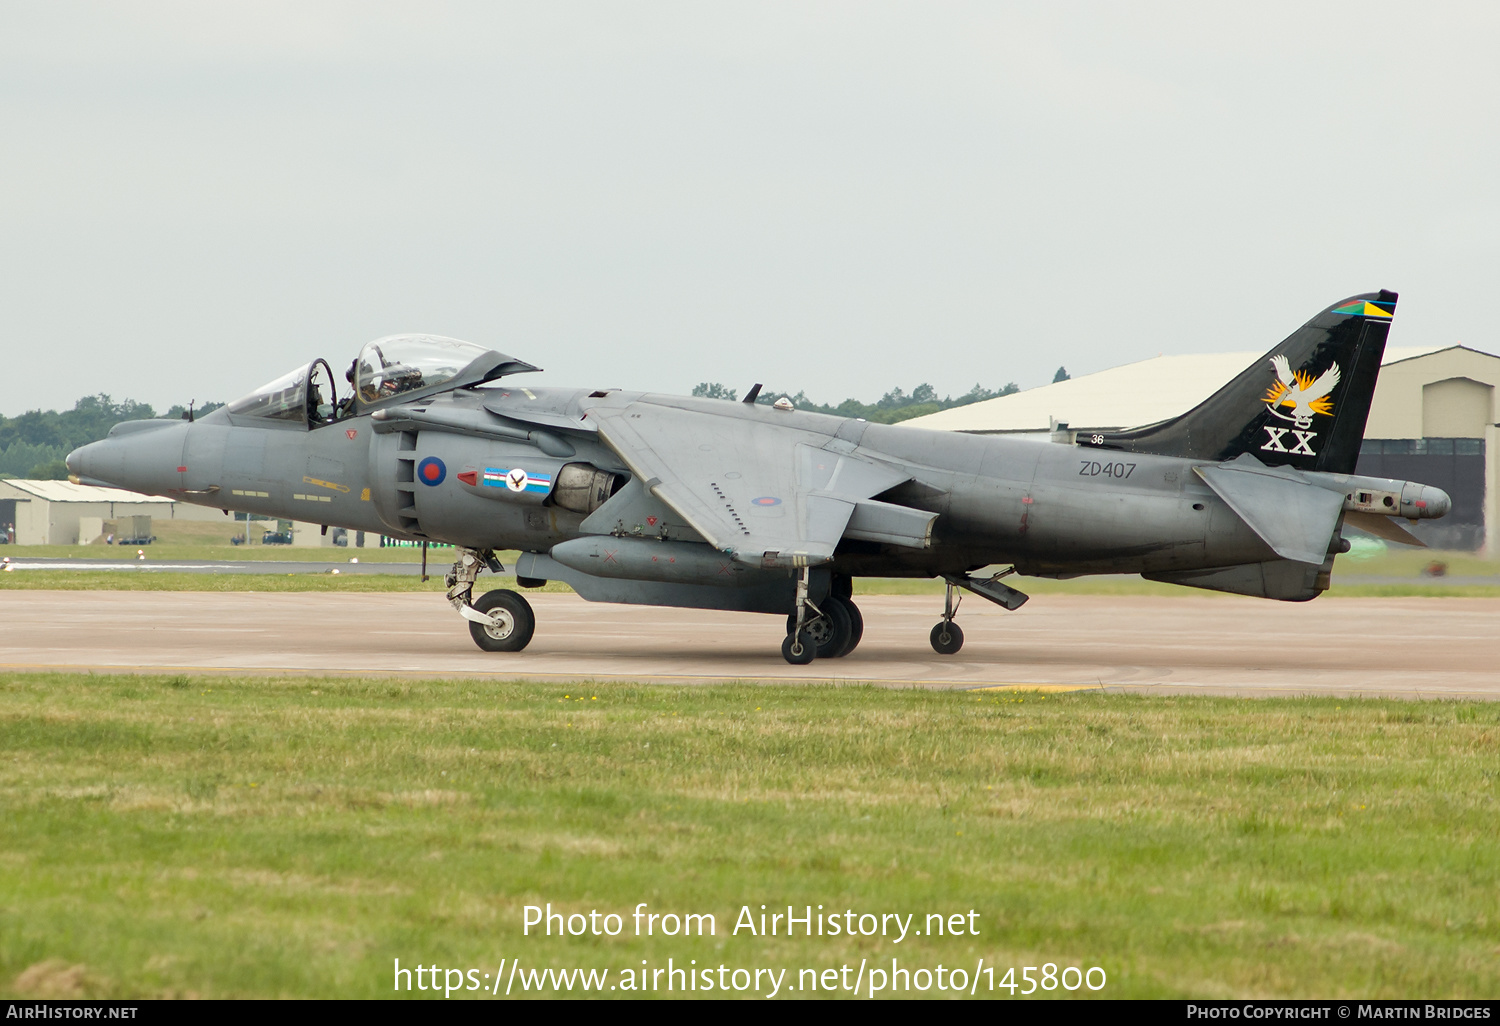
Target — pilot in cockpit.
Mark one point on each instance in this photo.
(346, 405)
(315, 405)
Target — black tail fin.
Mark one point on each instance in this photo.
(1302, 405)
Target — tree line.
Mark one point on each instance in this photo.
(33, 444)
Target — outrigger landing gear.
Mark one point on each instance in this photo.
(501, 620)
(947, 638)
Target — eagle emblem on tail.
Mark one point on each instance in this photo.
(1299, 391)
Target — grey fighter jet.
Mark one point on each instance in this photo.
(708, 503)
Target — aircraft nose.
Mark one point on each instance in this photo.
(142, 456)
(80, 462)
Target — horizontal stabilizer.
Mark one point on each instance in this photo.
(1295, 519)
(1382, 527)
(876, 521)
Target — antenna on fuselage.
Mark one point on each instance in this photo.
(751, 395)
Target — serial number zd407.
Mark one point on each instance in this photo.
(1093, 468)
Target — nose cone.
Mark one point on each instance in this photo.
(1434, 502)
(142, 456)
(84, 464)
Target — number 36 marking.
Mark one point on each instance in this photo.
(1093, 468)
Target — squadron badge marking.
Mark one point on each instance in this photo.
(517, 480)
(1296, 396)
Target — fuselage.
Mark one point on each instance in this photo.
(1044, 508)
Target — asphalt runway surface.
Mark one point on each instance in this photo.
(1406, 647)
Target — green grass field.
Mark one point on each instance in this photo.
(260, 837)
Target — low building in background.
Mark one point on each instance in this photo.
(63, 513)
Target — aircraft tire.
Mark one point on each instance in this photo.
(947, 638)
(805, 649)
(831, 632)
(514, 633)
(856, 627)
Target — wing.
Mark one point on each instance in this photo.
(767, 494)
(1283, 370)
(1325, 383)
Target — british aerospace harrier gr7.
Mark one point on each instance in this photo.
(708, 503)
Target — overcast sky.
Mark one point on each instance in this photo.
(196, 197)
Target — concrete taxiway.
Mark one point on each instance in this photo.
(1409, 647)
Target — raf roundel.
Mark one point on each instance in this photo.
(431, 471)
(766, 500)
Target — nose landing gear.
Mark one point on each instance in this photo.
(500, 620)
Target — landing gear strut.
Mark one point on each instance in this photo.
(826, 630)
(947, 638)
(799, 648)
(501, 620)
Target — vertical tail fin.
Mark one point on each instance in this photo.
(1303, 404)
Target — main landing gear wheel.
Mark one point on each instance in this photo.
(799, 649)
(946, 638)
(516, 622)
(832, 633)
(856, 627)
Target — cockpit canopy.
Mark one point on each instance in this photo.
(407, 363)
(397, 367)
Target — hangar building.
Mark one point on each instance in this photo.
(1433, 419)
(51, 512)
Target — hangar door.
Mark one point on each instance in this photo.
(1455, 465)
